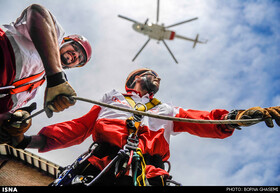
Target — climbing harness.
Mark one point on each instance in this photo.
(134, 121)
(129, 161)
(136, 157)
(133, 124)
(131, 155)
(139, 107)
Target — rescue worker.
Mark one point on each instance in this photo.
(110, 129)
(33, 49)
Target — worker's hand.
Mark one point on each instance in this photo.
(14, 126)
(267, 114)
(58, 94)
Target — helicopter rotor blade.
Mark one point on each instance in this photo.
(141, 49)
(169, 51)
(146, 21)
(157, 10)
(123, 17)
(189, 20)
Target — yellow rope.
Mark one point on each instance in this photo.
(162, 181)
(142, 176)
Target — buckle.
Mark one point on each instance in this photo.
(131, 143)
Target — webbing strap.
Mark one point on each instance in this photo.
(27, 87)
(133, 129)
(24, 85)
(28, 79)
(154, 102)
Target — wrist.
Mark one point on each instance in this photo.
(232, 116)
(56, 79)
(23, 141)
(19, 139)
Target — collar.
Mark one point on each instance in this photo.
(131, 92)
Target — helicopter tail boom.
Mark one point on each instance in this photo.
(193, 40)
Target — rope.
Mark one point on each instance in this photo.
(142, 176)
(244, 121)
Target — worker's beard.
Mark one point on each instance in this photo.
(148, 85)
(64, 61)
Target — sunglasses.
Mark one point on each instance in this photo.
(150, 72)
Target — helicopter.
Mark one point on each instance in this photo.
(160, 32)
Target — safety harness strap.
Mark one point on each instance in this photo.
(28, 87)
(26, 84)
(154, 102)
(134, 122)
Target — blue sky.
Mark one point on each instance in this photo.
(236, 69)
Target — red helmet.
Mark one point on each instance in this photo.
(83, 42)
(131, 77)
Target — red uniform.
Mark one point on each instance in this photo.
(109, 125)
